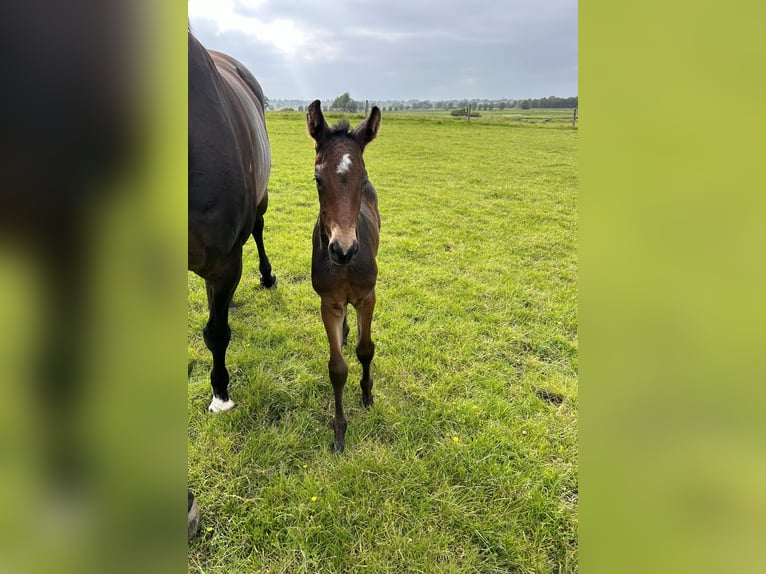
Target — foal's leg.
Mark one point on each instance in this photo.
(365, 348)
(332, 317)
(345, 327)
(268, 279)
(217, 332)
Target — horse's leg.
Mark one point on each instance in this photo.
(60, 359)
(365, 348)
(332, 317)
(345, 327)
(268, 279)
(192, 517)
(217, 332)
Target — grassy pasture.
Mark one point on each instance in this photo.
(549, 117)
(468, 460)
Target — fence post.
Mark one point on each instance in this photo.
(574, 118)
(468, 114)
(366, 104)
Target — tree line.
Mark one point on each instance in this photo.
(550, 102)
(346, 103)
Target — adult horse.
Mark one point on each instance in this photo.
(345, 244)
(229, 167)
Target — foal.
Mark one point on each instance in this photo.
(345, 244)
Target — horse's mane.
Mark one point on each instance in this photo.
(341, 127)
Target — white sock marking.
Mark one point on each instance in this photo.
(218, 406)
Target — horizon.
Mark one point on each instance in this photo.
(408, 100)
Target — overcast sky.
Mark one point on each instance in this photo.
(397, 49)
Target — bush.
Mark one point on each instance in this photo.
(464, 113)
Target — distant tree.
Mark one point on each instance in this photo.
(345, 103)
(422, 105)
(549, 102)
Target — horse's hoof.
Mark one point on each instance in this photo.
(339, 443)
(367, 402)
(219, 406)
(270, 283)
(193, 517)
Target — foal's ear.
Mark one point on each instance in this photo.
(315, 122)
(366, 131)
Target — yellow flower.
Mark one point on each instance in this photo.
(313, 499)
(455, 439)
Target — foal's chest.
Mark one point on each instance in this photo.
(350, 284)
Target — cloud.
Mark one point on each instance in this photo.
(398, 49)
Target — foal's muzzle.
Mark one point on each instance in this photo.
(339, 256)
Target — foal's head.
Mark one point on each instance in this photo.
(340, 177)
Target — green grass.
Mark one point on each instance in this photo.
(546, 117)
(468, 460)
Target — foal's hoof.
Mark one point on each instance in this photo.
(338, 446)
(367, 402)
(270, 283)
(219, 405)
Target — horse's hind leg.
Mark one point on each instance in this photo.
(216, 332)
(365, 348)
(332, 317)
(268, 279)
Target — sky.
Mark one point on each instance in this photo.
(397, 49)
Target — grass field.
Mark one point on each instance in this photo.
(555, 117)
(468, 460)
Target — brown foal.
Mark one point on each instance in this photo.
(345, 244)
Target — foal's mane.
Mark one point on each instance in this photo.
(340, 127)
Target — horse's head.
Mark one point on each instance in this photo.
(340, 177)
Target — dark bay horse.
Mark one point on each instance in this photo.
(229, 167)
(345, 244)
